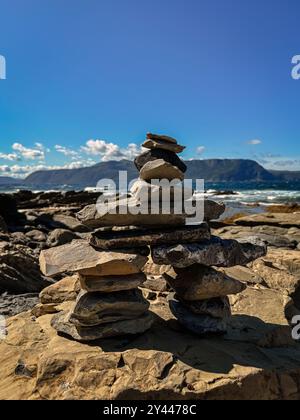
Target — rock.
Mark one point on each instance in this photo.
(19, 270)
(3, 225)
(274, 277)
(168, 139)
(11, 305)
(69, 223)
(147, 193)
(202, 325)
(198, 283)
(160, 169)
(79, 256)
(155, 154)
(143, 237)
(244, 274)
(270, 235)
(92, 309)
(213, 210)
(44, 309)
(216, 252)
(156, 284)
(162, 144)
(36, 235)
(121, 328)
(112, 283)
(61, 291)
(60, 237)
(284, 220)
(93, 218)
(262, 316)
(215, 308)
(165, 364)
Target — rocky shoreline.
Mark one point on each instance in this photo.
(257, 356)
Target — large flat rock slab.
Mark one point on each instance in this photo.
(135, 237)
(215, 252)
(166, 362)
(285, 220)
(81, 257)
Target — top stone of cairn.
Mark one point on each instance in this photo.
(156, 141)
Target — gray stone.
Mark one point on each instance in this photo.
(139, 325)
(36, 235)
(79, 256)
(93, 309)
(155, 154)
(151, 192)
(60, 237)
(162, 144)
(93, 218)
(216, 307)
(142, 237)
(160, 169)
(199, 282)
(110, 284)
(215, 252)
(158, 137)
(202, 325)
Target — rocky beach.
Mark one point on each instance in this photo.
(91, 312)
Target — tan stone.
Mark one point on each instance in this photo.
(286, 220)
(110, 284)
(37, 364)
(160, 169)
(64, 290)
(80, 256)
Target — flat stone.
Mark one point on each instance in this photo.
(64, 290)
(216, 307)
(160, 169)
(199, 282)
(110, 284)
(122, 328)
(284, 220)
(162, 144)
(155, 154)
(79, 256)
(262, 316)
(36, 361)
(143, 237)
(146, 192)
(60, 237)
(168, 139)
(215, 252)
(202, 325)
(92, 309)
(93, 218)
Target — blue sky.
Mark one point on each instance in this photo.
(87, 79)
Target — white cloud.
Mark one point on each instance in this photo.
(110, 151)
(9, 156)
(200, 150)
(67, 152)
(5, 168)
(254, 142)
(38, 152)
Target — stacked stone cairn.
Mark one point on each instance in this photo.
(110, 263)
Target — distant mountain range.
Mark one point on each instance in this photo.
(212, 170)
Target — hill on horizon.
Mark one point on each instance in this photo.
(212, 170)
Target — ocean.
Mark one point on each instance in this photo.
(243, 194)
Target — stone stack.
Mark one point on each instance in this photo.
(110, 265)
(110, 303)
